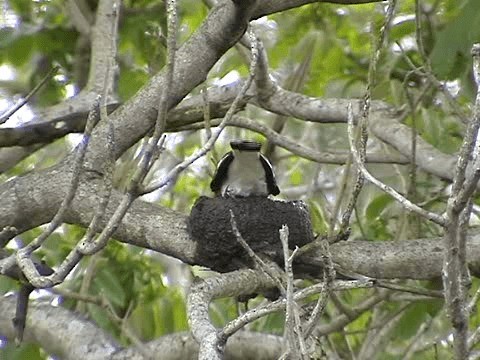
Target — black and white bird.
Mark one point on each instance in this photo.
(244, 171)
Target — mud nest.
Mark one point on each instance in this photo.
(258, 219)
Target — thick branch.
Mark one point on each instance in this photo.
(242, 282)
(145, 225)
(404, 259)
(164, 230)
(244, 345)
(266, 7)
(66, 334)
(59, 331)
(102, 37)
(224, 25)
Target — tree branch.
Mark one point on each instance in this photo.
(267, 7)
(57, 330)
(236, 283)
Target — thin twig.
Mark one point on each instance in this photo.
(87, 279)
(392, 192)
(409, 289)
(259, 263)
(342, 189)
(293, 146)
(112, 54)
(410, 348)
(87, 246)
(455, 273)
(151, 148)
(80, 297)
(23, 255)
(126, 330)
(172, 174)
(469, 142)
(328, 278)
(428, 72)
(206, 111)
(293, 332)
(473, 301)
(261, 311)
(7, 234)
(27, 98)
(363, 134)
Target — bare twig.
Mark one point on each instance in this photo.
(381, 330)
(339, 322)
(151, 148)
(409, 289)
(88, 276)
(26, 99)
(375, 55)
(87, 246)
(341, 193)
(468, 145)
(456, 277)
(21, 311)
(474, 338)
(473, 301)
(103, 37)
(80, 15)
(202, 292)
(259, 263)
(256, 313)
(362, 132)
(111, 56)
(126, 330)
(410, 349)
(392, 192)
(206, 111)
(101, 112)
(7, 234)
(353, 196)
(328, 278)
(23, 255)
(265, 86)
(293, 331)
(427, 67)
(293, 146)
(211, 141)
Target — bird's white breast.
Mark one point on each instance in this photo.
(246, 175)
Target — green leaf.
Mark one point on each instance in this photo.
(377, 206)
(22, 7)
(107, 282)
(101, 318)
(130, 81)
(296, 177)
(7, 284)
(22, 352)
(319, 220)
(451, 54)
(143, 319)
(415, 315)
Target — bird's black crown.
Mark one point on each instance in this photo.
(245, 145)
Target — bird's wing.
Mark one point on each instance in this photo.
(221, 172)
(269, 175)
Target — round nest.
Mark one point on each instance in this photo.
(258, 220)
